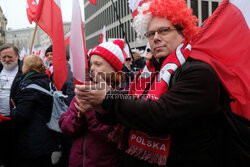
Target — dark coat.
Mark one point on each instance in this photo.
(190, 111)
(33, 111)
(90, 145)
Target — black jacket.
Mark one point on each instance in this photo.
(33, 111)
(190, 111)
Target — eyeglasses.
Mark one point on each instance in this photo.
(161, 31)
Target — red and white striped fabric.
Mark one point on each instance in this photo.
(126, 52)
(134, 4)
(103, 35)
(67, 38)
(224, 43)
(79, 62)
(31, 7)
(49, 18)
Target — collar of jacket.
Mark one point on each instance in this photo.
(28, 75)
(157, 64)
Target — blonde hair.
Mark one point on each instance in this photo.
(34, 63)
(117, 77)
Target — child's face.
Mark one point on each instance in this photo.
(101, 66)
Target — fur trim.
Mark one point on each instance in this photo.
(141, 21)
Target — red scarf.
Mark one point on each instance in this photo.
(154, 149)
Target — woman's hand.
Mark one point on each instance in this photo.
(82, 107)
(92, 93)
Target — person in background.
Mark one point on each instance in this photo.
(139, 62)
(174, 112)
(129, 73)
(90, 146)
(128, 62)
(67, 89)
(148, 55)
(10, 75)
(35, 142)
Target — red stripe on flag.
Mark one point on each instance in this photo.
(93, 2)
(31, 10)
(223, 42)
(101, 38)
(50, 20)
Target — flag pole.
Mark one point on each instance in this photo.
(123, 32)
(33, 38)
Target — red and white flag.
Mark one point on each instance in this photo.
(126, 52)
(224, 43)
(134, 4)
(79, 62)
(103, 35)
(67, 38)
(49, 18)
(31, 7)
(93, 2)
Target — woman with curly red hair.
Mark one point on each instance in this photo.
(172, 114)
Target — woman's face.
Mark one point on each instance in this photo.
(102, 67)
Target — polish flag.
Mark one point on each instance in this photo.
(126, 52)
(22, 54)
(93, 2)
(31, 7)
(134, 4)
(103, 35)
(67, 38)
(79, 60)
(224, 43)
(49, 18)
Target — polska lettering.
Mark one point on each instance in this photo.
(148, 143)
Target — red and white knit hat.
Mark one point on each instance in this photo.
(112, 52)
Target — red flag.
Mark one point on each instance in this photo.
(103, 35)
(93, 2)
(224, 43)
(31, 7)
(78, 59)
(134, 4)
(50, 20)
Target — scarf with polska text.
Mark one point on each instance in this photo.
(154, 149)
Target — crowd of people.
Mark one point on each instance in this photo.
(163, 109)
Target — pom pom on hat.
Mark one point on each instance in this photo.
(112, 52)
(120, 43)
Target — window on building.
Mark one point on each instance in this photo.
(204, 6)
(194, 6)
(214, 6)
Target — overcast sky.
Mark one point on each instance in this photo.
(15, 12)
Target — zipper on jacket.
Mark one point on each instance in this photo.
(84, 151)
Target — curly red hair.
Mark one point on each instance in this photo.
(178, 13)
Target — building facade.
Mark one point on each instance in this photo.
(3, 23)
(22, 37)
(104, 14)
